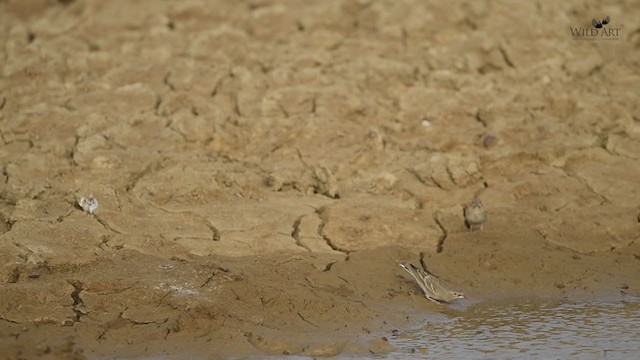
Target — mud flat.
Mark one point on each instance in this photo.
(262, 166)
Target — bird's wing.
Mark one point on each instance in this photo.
(420, 276)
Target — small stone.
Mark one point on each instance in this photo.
(488, 140)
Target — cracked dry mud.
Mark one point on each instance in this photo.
(262, 165)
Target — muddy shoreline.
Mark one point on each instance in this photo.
(262, 166)
(130, 304)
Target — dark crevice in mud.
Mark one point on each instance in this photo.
(5, 224)
(157, 104)
(216, 87)
(169, 126)
(211, 276)
(481, 117)
(295, 233)
(167, 81)
(322, 214)
(305, 320)
(236, 106)
(450, 175)
(106, 225)
(445, 233)
(135, 178)
(78, 303)
(6, 174)
(74, 150)
(2, 318)
(423, 264)
(415, 174)
(14, 275)
(215, 234)
(506, 57)
(172, 291)
(314, 105)
(141, 322)
(603, 198)
(329, 266)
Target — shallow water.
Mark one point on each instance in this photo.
(527, 330)
(519, 330)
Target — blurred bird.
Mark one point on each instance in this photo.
(475, 215)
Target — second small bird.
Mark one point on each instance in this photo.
(475, 215)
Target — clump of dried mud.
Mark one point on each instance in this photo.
(261, 166)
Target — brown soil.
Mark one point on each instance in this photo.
(261, 166)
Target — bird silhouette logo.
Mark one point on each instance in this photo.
(599, 24)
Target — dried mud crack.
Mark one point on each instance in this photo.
(322, 214)
(261, 166)
(78, 303)
(443, 229)
(295, 232)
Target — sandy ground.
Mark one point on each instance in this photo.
(261, 166)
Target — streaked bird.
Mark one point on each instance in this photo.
(475, 215)
(432, 287)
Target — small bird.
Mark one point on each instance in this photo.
(432, 287)
(89, 204)
(475, 215)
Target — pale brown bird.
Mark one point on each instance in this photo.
(475, 215)
(432, 287)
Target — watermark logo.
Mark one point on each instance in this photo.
(598, 25)
(601, 30)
